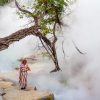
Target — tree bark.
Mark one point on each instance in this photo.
(18, 35)
(6, 41)
(54, 54)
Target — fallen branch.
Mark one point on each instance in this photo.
(77, 48)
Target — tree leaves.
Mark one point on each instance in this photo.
(3, 2)
(48, 12)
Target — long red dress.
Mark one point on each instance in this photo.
(23, 76)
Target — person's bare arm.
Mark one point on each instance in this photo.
(28, 68)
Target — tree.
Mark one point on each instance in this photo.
(46, 15)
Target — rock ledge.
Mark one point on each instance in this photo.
(9, 91)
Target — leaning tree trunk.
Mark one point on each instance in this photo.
(51, 50)
(18, 35)
(33, 30)
(57, 68)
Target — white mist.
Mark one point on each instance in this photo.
(79, 78)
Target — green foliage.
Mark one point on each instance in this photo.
(48, 12)
(2, 2)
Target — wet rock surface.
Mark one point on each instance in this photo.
(9, 91)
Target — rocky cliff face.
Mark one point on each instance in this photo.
(11, 91)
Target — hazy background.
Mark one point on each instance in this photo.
(79, 78)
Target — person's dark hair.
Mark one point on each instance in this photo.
(24, 61)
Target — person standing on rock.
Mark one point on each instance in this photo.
(23, 74)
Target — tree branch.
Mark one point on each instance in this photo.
(54, 35)
(6, 41)
(77, 48)
(27, 12)
(46, 49)
(23, 10)
(38, 34)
